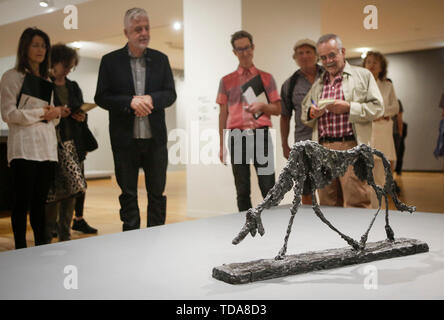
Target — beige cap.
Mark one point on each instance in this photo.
(303, 42)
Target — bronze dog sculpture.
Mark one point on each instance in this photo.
(313, 165)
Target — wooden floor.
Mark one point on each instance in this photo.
(423, 189)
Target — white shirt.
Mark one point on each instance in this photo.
(28, 138)
(382, 133)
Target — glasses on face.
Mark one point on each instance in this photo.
(244, 49)
(331, 56)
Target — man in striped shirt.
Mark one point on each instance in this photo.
(346, 121)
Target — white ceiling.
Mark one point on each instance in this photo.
(403, 25)
(16, 10)
(100, 25)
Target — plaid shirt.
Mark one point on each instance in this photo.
(331, 124)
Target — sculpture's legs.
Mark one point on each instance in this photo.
(293, 210)
(379, 193)
(253, 221)
(365, 235)
(318, 212)
(388, 229)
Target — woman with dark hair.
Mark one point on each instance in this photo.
(32, 142)
(382, 133)
(67, 92)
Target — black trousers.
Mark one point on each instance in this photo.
(400, 149)
(31, 181)
(146, 154)
(80, 203)
(254, 146)
(80, 199)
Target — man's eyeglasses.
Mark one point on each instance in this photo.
(331, 56)
(244, 49)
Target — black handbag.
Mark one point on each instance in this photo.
(88, 139)
(69, 179)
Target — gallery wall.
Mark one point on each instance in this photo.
(99, 163)
(291, 21)
(418, 78)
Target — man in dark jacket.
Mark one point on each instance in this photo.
(135, 84)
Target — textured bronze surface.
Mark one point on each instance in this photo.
(238, 273)
(314, 166)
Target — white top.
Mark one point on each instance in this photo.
(28, 138)
(382, 133)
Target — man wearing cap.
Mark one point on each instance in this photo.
(249, 136)
(293, 91)
(355, 101)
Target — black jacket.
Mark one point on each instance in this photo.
(73, 129)
(115, 90)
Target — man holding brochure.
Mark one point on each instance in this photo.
(340, 106)
(247, 98)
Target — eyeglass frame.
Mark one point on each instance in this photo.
(244, 49)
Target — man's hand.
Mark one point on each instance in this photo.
(256, 107)
(223, 155)
(286, 150)
(316, 112)
(142, 105)
(339, 107)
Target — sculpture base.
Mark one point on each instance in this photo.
(238, 273)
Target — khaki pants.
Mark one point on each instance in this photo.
(348, 190)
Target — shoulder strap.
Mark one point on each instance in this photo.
(291, 87)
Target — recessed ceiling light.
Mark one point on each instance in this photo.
(177, 25)
(76, 44)
(44, 4)
(363, 51)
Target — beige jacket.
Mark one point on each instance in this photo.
(361, 91)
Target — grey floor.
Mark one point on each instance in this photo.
(175, 261)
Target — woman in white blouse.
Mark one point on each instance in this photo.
(32, 143)
(382, 133)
